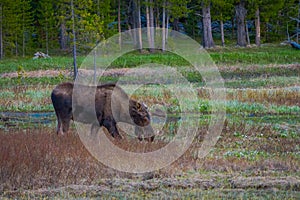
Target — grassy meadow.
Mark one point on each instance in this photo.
(257, 156)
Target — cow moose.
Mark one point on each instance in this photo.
(111, 105)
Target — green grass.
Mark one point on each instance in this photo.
(135, 59)
(278, 81)
(259, 71)
(29, 64)
(253, 67)
(225, 56)
(250, 69)
(27, 81)
(269, 54)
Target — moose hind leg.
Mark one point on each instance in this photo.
(66, 125)
(66, 116)
(111, 126)
(59, 127)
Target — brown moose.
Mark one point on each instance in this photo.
(112, 105)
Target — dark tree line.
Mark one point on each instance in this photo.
(30, 25)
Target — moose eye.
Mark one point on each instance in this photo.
(138, 106)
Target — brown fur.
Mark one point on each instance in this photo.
(78, 107)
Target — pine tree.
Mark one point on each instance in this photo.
(1, 30)
(222, 11)
(7, 24)
(177, 9)
(16, 25)
(26, 19)
(63, 14)
(263, 11)
(88, 24)
(47, 24)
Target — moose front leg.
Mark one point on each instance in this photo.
(111, 126)
(146, 133)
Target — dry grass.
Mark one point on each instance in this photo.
(280, 96)
(37, 98)
(267, 96)
(23, 98)
(38, 158)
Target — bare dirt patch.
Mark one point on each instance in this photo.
(256, 67)
(35, 74)
(55, 73)
(122, 71)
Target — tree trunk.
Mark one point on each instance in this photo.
(222, 33)
(134, 24)
(139, 26)
(47, 40)
(1, 31)
(16, 44)
(241, 12)
(232, 29)
(157, 17)
(208, 41)
(164, 27)
(266, 30)
(95, 67)
(62, 41)
(247, 34)
(98, 7)
(23, 34)
(175, 24)
(148, 25)
(119, 23)
(23, 43)
(167, 25)
(151, 18)
(298, 23)
(257, 27)
(74, 41)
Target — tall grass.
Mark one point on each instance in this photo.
(259, 101)
(267, 96)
